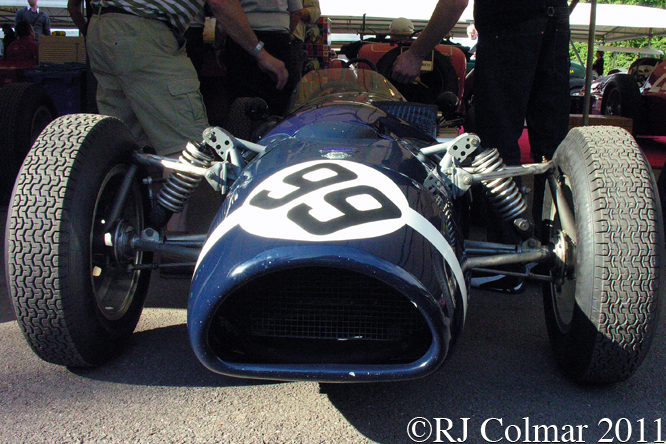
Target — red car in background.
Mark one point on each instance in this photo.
(639, 95)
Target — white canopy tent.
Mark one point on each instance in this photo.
(618, 22)
(613, 22)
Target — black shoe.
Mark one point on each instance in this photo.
(497, 281)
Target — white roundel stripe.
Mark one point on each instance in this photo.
(331, 200)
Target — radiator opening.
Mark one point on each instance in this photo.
(319, 315)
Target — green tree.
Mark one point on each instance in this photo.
(623, 60)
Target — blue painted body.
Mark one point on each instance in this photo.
(355, 150)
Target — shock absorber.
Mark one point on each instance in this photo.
(504, 195)
(178, 189)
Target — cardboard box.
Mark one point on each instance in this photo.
(57, 49)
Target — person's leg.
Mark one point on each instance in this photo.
(549, 105)
(243, 77)
(299, 57)
(506, 61)
(158, 79)
(153, 74)
(281, 48)
(111, 99)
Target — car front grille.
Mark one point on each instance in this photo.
(319, 314)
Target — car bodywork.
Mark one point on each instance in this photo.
(341, 251)
(386, 311)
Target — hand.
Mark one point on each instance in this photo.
(406, 68)
(274, 68)
(295, 17)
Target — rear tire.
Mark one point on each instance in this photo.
(622, 97)
(602, 319)
(238, 122)
(442, 78)
(25, 110)
(75, 302)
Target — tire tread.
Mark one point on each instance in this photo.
(627, 262)
(37, 273)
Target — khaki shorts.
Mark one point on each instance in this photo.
(146, 79)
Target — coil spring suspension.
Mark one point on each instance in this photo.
(503, 193)
(175, 193)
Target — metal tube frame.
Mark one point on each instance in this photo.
(121, 197)
(536, 255)
(508, 172)
(562, 206)
(188, 253)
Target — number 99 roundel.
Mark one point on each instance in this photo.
(324, 201)
(327, 200)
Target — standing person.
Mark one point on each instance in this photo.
(9, 37)
(521, 75)
(521, 72)
(24, 48)
(598, 65)
(39, 20)
(270, 21)
(145, 78)
(300, 20)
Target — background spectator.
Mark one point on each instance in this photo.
(24, 48)
(299, 21)
(39, 20)
(9, 37)
(598, 66)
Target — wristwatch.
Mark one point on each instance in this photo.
(257, 49)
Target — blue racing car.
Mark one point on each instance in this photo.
(342, 249)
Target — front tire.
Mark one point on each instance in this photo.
(603, 314)
(74, 297)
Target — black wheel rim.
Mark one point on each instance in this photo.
(114, 285)
(613, 103)
(563, 294)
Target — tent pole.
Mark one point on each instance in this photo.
(575, 50)
(590, 61)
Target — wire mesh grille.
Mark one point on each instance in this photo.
(324, 304)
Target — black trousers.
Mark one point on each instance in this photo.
(245, 79)
(522, 75)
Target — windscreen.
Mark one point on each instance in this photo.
(342, 84)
